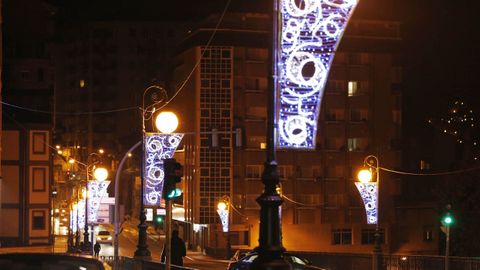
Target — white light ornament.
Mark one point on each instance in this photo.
(369, 194)
(73, 222)
(310, 34)
(158, 146)
(223, 213)
(97, 190)
(81, 214)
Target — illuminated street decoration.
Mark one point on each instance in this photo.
(73, 222)
(158, 147)
(310, 35)
(369, 194)
(81, 213)
(97, 190)
(223, 213)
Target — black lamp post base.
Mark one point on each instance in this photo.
(142, 251)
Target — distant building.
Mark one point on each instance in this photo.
(223, 108)
(26, 163)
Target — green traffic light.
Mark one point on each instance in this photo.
(448, 219)
(174, 193)
(159, 219)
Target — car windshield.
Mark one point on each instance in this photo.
(297, 260)
(249, 258)
(104, 233)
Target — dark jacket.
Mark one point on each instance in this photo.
(96, 247)
(178, 251)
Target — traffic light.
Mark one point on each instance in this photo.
(173, 174)
(448, 219)
(159, 220)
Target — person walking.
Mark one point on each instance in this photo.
(178, 250)
(97, 248)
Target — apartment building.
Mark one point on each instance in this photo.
(222, 107)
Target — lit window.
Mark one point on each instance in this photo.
(353, 144)
(352, 88)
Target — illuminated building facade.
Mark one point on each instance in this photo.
(360, 115)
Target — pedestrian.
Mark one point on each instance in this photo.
(177, 250)
(97, 248)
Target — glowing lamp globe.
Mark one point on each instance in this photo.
(166, 122)
(364, 176)
(100, 174)
(221, 206)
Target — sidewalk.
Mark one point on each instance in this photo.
(199, 256)
(60, 247)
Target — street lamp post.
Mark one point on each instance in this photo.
(99, 174)
(371, 198)
(223, 210)
(270, 249)
(447, 221)
(142, 247)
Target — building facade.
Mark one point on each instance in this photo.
(222, 107)
(26, 162)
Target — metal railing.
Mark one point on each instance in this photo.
(126, 263)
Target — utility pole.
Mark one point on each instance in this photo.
(168, 234)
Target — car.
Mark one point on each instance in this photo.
(104, 237)
(296, 262)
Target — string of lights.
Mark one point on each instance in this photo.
(68, 113)
(431, 174)
(299, 203)
(182, 85)
(238, 212)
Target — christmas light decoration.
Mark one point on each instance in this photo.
(460, 123)
(223, 213)
(97, 190)
(369, 194)
(311, 31)
(158, 147)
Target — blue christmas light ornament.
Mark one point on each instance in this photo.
(158, 147)
(309, 37)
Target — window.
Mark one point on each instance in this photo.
(38, 220)
(41, 75)
(368, 236)
(365, 58)
(342, 237)
(39, 177)
(352, 88)
(285, 171)
(353, 144)
(396, 74)
(254, 171)
(25, 75)
(316, 171)
(396, 116)
(335, 86)
(357, 115)
(240, 238)
(427, 234)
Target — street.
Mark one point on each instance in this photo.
(128, 241)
